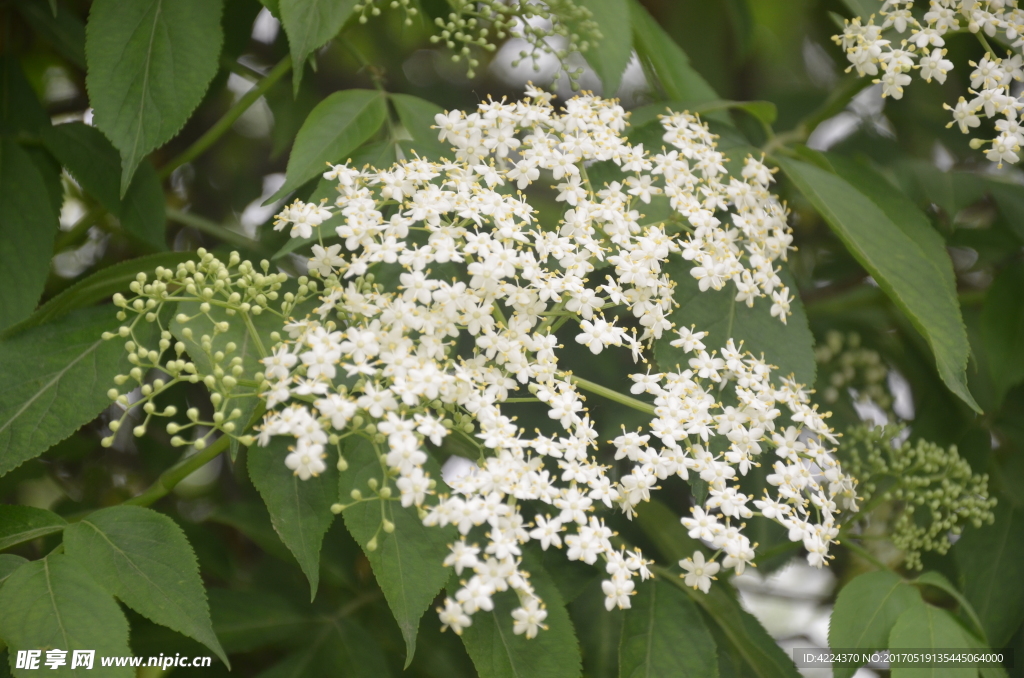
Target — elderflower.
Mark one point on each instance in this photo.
(435, 356)
(872, 51)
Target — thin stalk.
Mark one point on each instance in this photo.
(865, 554)
(174, 475)
(200, 145)
(79, 229)
(608, 393)
(216, 230)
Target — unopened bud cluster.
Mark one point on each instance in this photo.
(483, 25)
(203, 311)
(933, 491)
(844, 366)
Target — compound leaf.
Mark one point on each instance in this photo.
(19, 524)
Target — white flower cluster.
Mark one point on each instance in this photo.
(872, 53)
(439, 355)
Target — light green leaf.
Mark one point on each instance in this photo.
(669, 62)
(97, 287)
(417, 116)
(143, 558)
(899, 264)
(27, 228)
(664, 636)
(407, 562)
(54, 603)
(95, 164)
(24, 523)
(149, 64)
(9, 563)
(937, 580)
(497, 652)
(1002, 328)
(865, 612)
(925, 628)
(63, 31)
(789, 347)
(309, 25)
(246, 620)
(764, 657)
(334, 129)
(56, 378)
(989, 560)
(300, 510)
(610, 56)
(863, 8)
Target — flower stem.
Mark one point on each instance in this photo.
(200, 145)
(608, 393)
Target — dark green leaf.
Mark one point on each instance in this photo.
(144, 559)
(334, 129)
(669, 62)
(664, 636)
(8, 564)
(252, 519)
(407, 562)
(927, 628)
(149, 64)
(790, 347)
(300, 510)
(1002, 327)
(990, 558)
(662, 526)
(309, 25)
(901, 266)
(610, 56)
(95, 164)
(865, 612)
(417, 116)
(939, 581)
(56, 378)
(599, 631)
(1010, 198)
(24, 523)
(20, 110)
(340, 647)
(97, 287)
(27, 228)
(497, 652)
(64, 31)
(765, 111)
(54, 603)
(246, 620)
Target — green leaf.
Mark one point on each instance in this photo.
(341, 647)
(865, 612)
(764, 657)
(989, 560)
(661, 525)
(610, 56)
(8, 564)
(863, 8)
(54, 603)
(252, 519)
(20, 110)
(24, 523)
(407, 562)
(898, 262)
(143, 558)
(765, 111)
(789, 347)
(926, 628)
(27, 228)
(89, 157)
(149, 64)
(497, 652)
(334, 129)
(417, 116)
(63, 31)
(669, 62)
(56, 378)
(97, 287)
(309, 25)
(664, 636)
(940, 582)
(1010, 199)
(1002, 328)
(599, 631)
(246, 620)
(300, 510)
